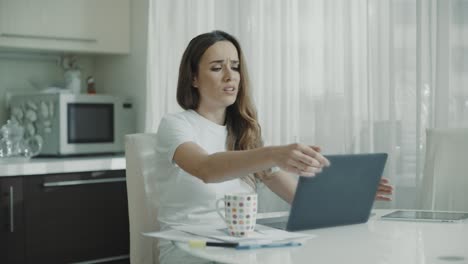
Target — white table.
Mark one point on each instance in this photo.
(377, 241)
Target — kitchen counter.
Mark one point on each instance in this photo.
(38, 166)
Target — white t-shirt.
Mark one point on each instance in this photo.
(183, 196)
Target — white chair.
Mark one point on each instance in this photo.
(445, 181)
(142, 197)
(269, 202)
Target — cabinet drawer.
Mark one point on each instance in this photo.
(76, 217)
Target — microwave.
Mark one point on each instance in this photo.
(75, 124)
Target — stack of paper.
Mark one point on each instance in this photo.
(261, 235)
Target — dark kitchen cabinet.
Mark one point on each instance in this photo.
(72, 217)
(11, 220)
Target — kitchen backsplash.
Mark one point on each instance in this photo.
(20, 72)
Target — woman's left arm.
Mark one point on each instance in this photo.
(283, 184)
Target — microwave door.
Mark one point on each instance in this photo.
(89, 128)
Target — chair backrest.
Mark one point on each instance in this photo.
(142, 196)
(445, 180)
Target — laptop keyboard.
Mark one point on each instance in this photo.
(277, 222)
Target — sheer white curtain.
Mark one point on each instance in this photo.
(417, 53)
(268, 32)
(350, 76)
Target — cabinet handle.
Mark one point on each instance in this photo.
(12, 210)
(81, 182)
(101, 260)
(9, 35)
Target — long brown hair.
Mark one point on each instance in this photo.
(244, 131)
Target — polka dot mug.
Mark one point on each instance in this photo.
(240, 213)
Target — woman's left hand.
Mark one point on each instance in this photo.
(384, 191)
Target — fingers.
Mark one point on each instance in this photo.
(384, 181)
(302, 169)
(314, 154)
(316, 148)
(384, 190)
(307, 160)
(300, 159)
(382, 198)
(384, 187)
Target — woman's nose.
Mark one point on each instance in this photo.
(228, 75)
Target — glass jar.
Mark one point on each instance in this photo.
(13, 145)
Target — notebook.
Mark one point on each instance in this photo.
(341, 194)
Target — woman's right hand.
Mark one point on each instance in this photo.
(300, 159)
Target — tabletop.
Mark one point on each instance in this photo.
(377, 241)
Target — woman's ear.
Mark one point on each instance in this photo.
(195, 82)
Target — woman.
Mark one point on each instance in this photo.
(215, 146)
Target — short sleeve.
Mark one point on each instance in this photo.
(172, 132)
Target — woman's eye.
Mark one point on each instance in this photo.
(235, 68)
(216, 69)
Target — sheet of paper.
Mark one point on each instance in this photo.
(178, 236)
(262, 234)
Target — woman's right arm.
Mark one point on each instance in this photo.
(222, 166)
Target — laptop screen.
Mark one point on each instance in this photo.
(341, 194)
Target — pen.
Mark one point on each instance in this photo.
(271, 245)
(202, 244)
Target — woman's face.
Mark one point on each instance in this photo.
(218, 76)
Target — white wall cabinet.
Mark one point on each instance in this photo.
(88, 26)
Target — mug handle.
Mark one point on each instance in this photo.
(218, 208)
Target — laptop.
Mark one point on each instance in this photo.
(341, 194)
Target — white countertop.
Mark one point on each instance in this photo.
(39, 166)
(377, 241)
